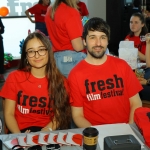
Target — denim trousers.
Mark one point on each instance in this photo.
(147, 73)
(42, 27)
(66, 60)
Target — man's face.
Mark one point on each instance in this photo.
(96, 43)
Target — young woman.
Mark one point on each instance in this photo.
(36, 96)
(138, 28)
(64, 27)
(39, 11)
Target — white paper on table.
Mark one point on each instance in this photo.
(43, 138)
(52, 139)
(74, 138)
(130, 55)
(11, 143)
(126, 44)
(61, 139)
(112, 130)
(22, 139)
(32, 139)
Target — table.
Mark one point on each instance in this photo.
(77, 130)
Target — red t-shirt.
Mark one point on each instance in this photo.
(103, 90)
(137, 43)
(31, 96)
(65, 27)
(39, 11)
(83, 9)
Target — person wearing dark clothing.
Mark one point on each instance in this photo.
(1, 52)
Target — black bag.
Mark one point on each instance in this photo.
(121, 142)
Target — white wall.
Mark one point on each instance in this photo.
(16, 29)
(97, 8)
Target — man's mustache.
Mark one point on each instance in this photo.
(98, 47)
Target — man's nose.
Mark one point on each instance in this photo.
(98, 41)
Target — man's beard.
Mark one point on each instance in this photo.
(97, 55)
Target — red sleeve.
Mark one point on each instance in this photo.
(34, 9)
(8, 91)
(133, 85)
(127, 37)
(75, 94)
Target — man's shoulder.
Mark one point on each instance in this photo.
(78, 69)
(80, 65)
(117, 61)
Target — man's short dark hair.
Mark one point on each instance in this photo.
(96, 24)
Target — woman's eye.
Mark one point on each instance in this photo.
(30, 52)
(41, 50)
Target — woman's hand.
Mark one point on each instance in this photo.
(45, 129)
(142, 81)
(27, 131)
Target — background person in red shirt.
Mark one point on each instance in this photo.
(39, 11)
(82, 8)
(138, 28)
(65, 29)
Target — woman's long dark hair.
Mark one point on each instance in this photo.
(144, 30)
(57, 84)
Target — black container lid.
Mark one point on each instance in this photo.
(90, 131)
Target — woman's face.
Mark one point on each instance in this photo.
(46, 2)
(136, 25)
(37, 55)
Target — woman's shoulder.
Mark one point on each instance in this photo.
(17, 75)
(71, 10)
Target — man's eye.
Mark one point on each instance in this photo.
(103, 37)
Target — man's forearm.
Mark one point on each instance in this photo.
(81, 122)
(132, 109)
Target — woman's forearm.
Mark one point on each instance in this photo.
(11, 123)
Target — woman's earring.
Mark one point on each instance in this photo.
(27, 62)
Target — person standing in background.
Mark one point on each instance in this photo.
(39, 10)
(1, 52)
(65, 28)
(82, 8)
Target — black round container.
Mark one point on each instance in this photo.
(90, 137)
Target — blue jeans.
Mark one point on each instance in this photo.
(42, 27)
(147, 73)
(66, 60)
